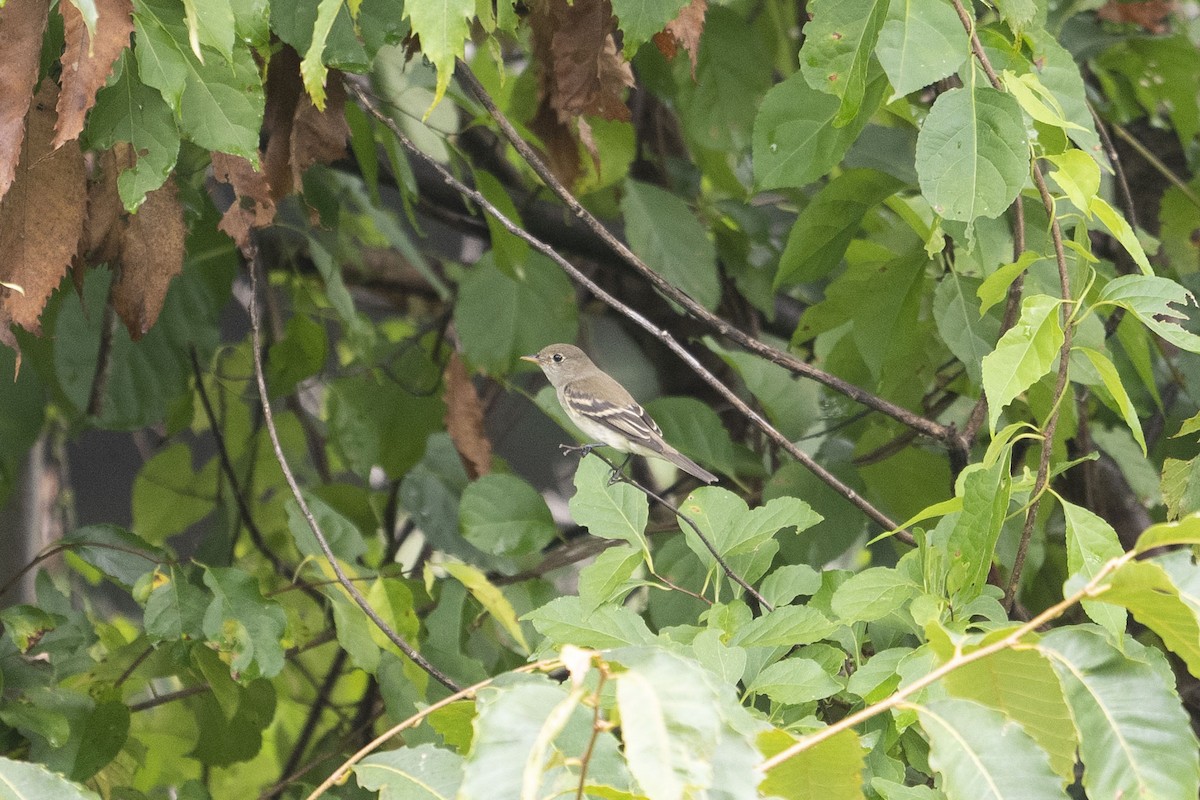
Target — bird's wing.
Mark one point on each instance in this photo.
(626, 418)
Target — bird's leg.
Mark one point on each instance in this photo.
(582, 449)
(618, 472)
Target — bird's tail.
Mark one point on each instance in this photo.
(687, 465)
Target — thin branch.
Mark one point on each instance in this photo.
(415, 719)
(598, 727)
(313, 717)
(243, 507)
(663, 335)
(1157, 163)
(728, 570)
(335, 565)
(1060, 388)
(104, 361)
(170, 697)
(1114, 158)
(935, 430)
(956, 662)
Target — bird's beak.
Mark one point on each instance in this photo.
(532, 359)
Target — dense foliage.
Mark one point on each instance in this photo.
(913, 277)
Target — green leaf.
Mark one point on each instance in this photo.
(343, 536)
(1164, 534)
(503, 515)
(1091, 542)
(1147, 591)
(424, 772)
(115, 551)
(1017, 13)
(921, 42)
(784, 627)
(175, 608)
(1024, 354)
(381, 423)
(823, 231)
(831, 769)
(607, 578)
(210, 22)
(511, 252)
(128, 110)
(1180, 486)
(1112, 382)
(696, 430)
(22, 780)
(872, 594)
(664, 233)
(312, 68)
(610, 511)
(217, 105)
(490, 597)
(1134, 738)
(641, 19)
(1151, 300)
(563, 621)
(788, 582)
(671, 723)
(1059, 73)
(969, 335)
(795, 141)
(26, 625)
(971, 543)
(301, 353)
(972, 157)
(244, 624)
(169, 496)
(995, 286)
(1123, 233)
(981, 754)
(443, 27)
(500, 318)
(794, 681)
(838, 42)
(1022, 685)
(101, 735)
(87, 9)
(733, 529)
(727, 662)
(296, 22)
(1078, 175)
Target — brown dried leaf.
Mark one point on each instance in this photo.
(41, 216)
(86, 64)
(284, 89)
(151, 255)
(589, 74)
(22, 23)
(1150, 15)
(253, 205)
(686, 30)
(560, 150)
(101, 231)
(464, 419)
(319, 137)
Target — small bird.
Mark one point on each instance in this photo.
(604, 410)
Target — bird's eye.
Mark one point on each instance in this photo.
(556, 358)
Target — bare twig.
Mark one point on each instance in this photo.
(663, 335)
(104, 362)
(1157, 163)
(314, 713)
(269, 418)
(598, 727)
(935, 430)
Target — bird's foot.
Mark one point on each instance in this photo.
(618, 473)
(582, 449)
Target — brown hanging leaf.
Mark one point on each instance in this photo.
(589, 74)
(685, 30)
(283, 89)
(1151, 15)
(464, 419)
(101, 231)
(319, 137)
(86, 64)
(582, 72)
(252, 207)
(152, 247)
(21, 25)
(41, 216)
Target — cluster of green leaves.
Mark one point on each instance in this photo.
(873, 187)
